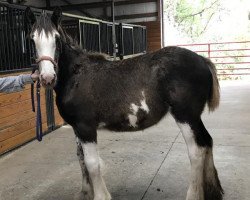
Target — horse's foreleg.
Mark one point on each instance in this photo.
(92, 161)
(204, 184)
(87, 188)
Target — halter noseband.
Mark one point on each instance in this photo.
(46, 58)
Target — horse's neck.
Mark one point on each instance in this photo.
(66, 65)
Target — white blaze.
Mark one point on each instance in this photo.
(45, 46)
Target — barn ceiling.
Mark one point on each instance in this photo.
(125, 10)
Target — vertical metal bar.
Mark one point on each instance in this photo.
(209, 50)
(107, 38)
(19, 31)
(24, 41)
(133, 39)
(99, 37)
(80, 33)
(7, 58)
(161, 15)
(113, 28)
(14, 39)
(121, 45)
(10, 38)
(1, 42)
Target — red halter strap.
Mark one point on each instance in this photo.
(47, 58)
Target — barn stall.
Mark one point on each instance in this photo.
(17, 121)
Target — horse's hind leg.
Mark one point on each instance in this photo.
(87, 188)
(204, 184)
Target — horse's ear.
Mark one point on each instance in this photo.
(29, 17)
(57, 16)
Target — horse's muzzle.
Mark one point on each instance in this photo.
(48, 80)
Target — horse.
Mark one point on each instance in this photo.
(93, 92)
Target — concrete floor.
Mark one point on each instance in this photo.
(149, 165)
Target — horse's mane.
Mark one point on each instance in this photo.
(97, 56)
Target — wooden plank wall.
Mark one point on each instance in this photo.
(17, 121)
(153, 35)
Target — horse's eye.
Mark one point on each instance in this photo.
(32, 36)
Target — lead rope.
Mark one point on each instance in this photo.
(39, 132)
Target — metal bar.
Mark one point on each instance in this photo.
(121, 42)
(223, 50)
(113, 29)
(17, 33)
(99, 37)
(234, 69)
(223, 63)
(7, 58)
(20, 37)
(134, 16)
(209, 50)
(1, 42)
(234, 74)
(133, 43)
(14, 45)
(10, 38)
(201, 44)
(102, 4)
(246, 56)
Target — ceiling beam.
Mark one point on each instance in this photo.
(135, 16)
(79, 10)
(102, 4)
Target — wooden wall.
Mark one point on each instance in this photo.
(17, 121)
(153, 35)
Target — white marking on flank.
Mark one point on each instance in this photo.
(144, 105)
(132, 120)
(135, 108)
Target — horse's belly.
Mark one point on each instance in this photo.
(134, 121)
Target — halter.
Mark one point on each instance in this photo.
(48, 58)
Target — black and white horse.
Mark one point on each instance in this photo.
(128, 95)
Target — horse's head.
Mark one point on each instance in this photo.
(45, 35)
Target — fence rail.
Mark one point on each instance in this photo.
(230, 58)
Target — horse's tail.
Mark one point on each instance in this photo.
(214, 96)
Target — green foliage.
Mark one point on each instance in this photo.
(192, 17)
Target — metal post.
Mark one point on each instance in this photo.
(113, 29)
(209, 50)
